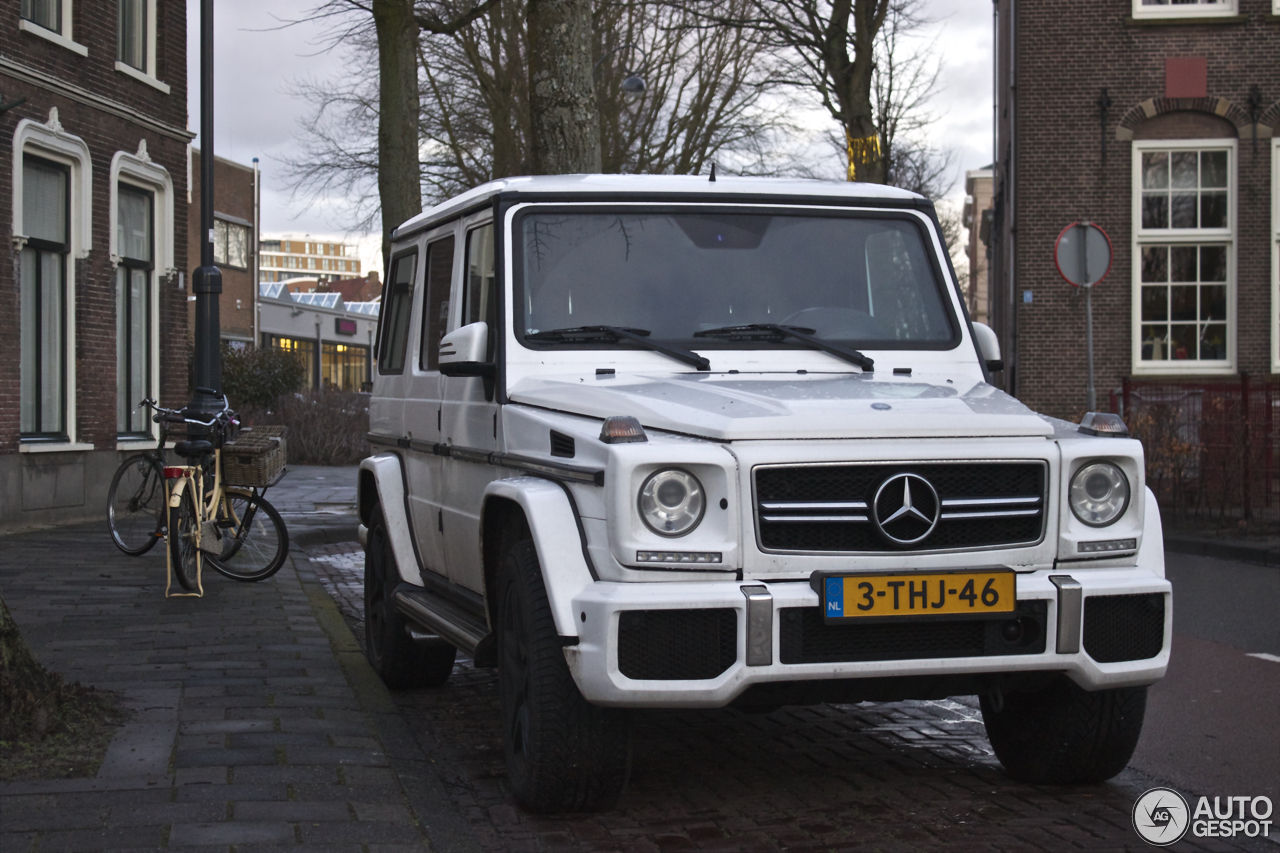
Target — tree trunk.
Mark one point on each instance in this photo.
(29, 693)
(565, 121)
(399, 175)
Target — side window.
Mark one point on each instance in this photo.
(479, 302)
(397, 301)
(435, 318)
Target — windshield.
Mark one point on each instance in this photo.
(867, 282)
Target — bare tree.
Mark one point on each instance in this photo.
(830, 50)
(564, 120)
(395, 25)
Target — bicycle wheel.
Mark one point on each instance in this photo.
(183, 553)
(255, 541)
(136, 504)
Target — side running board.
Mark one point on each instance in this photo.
(449, 622)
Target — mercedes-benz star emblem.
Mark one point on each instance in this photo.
(906, 509)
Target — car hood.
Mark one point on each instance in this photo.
(727, 407)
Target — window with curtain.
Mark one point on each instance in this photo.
(135, 243)
(46, 13)
(43, 298)
(1185, 254)
(131, 40)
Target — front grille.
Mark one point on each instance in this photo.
(806, 638)
(677, 645)
(1123, 627)
(832, 507)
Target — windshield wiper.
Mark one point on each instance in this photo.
(774, 330)
(613, 334)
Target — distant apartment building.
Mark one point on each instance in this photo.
(234, 192)
(287, 257)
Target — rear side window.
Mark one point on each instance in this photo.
(435, 316)
(397, 301)
(480, 301)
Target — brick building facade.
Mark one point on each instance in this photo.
(1158, 122)
(93, 187)
(235, 244)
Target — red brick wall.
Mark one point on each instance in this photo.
(94, 27)
(1066, 52)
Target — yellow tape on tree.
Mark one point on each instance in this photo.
(864, 150)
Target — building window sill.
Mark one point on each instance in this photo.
(57, 38)
(53, 447)
(142, 77)
(135, 443)
(1185, 20)
(1190, 371)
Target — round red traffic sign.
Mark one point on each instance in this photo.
(1082, 254)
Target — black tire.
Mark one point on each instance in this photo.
(563, 753)
(1065, 735)
(402, 662)
(136, 506)
(255, 543)
(184, 556)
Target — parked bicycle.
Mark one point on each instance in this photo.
(202, 517)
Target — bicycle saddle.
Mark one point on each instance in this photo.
(193, 448)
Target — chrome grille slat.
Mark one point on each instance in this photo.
(999, 513)
(988, 501)
(815, 518)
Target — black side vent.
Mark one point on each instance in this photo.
(562, 445)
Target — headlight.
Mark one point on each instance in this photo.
(1099, 494)
(672, 502)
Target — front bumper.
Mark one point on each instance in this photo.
(594, 660)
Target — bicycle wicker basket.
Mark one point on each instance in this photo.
(255, 456)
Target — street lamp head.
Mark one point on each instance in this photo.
(633, 85)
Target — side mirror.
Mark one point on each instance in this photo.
(462, 351)
(988, 346)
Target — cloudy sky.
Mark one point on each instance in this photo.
(257, 62)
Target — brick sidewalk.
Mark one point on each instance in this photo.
(876, 776)
(259, 724)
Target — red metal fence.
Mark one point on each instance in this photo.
(1212, 447)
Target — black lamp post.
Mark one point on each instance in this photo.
(206, 282)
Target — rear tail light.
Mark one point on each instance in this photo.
(175, 473)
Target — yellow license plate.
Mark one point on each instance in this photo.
(918, 594)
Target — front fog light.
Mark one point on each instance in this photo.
(671, 502)
(1099, 494)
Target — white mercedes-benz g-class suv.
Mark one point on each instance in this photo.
(671, 442)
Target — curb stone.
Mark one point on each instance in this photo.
(431, 803)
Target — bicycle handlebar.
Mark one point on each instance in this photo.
(179, 416)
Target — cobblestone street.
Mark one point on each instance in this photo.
(875, 776)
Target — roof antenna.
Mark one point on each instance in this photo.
(712, 179)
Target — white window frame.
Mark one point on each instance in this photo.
(138, 170)
(149, 76)
(62, 39)
(1224, 9)
(1275, 250)
(1167, 236)
(49, 140)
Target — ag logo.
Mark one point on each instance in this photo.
(1161, 816)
